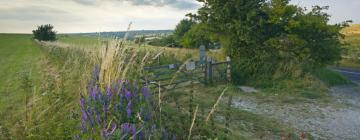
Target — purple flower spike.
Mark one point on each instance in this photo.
(145, 92)
(108, 93)
(133, 130)
(96, 73)
(128, 109)
(100, 98)
(153, 127)
(104, 108)
(94, 91)
(128, 95)
(125, 128)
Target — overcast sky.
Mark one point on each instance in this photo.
(22, 16)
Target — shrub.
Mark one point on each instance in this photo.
(196, 36)
(165, 41)
(272, 33)
(45, 33)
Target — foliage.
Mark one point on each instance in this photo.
(331, 78)
(140, 40)
(54, 110)
(187, 34)
(19, 72)
(181, 28)
(196, 36)
(44, 33)
(351, 52)
(263, 36)
(165, 41)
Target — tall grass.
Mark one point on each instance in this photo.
(96, 92)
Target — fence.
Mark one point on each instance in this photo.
(176, 75)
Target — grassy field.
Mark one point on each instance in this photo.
(80, 40)
(52, 79)
(19, 70)
(41, 85)
(351, 57)
(352, 30)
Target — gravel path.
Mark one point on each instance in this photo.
(337, 120)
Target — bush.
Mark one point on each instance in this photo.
(196, 36)
(165, 41)
(45, 33)
(265, 37)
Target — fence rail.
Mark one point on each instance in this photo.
(171, 76)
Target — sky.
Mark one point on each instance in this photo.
(75, 16)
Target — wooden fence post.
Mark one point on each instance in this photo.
(210, 70)
(206, 71)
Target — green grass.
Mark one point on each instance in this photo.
(80, 40)
(55, 113)
(352, 30)
(331, 78)
(243, 124)
(351, 56)
(19, 57)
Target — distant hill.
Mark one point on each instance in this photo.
(131, 35)
(352, 30)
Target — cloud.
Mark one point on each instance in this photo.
(178, 4)
(86, 2)
(339, 10)
(35, 13)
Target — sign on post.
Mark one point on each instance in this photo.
(190, 65)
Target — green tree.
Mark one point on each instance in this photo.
(164, 41)
(196, 36)
(263, 37)
(181, 29)
(140, 40)
(45, 33)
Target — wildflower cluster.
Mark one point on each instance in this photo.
(122, 110)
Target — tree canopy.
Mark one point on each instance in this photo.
(265, 36)
(196, 36)
(181, 29)
(44, 33)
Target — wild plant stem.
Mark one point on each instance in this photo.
(193, 122)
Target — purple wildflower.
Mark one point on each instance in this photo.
(153, 127)
(145, 92)
(108, 93)
(100, 98)
(128, 109)
(94, 91)
(133, 130)
(104, 107)
(96, 73)
(128, 129)
(128, 95)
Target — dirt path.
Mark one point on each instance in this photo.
(336, 120)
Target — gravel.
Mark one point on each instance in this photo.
(337, 120)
